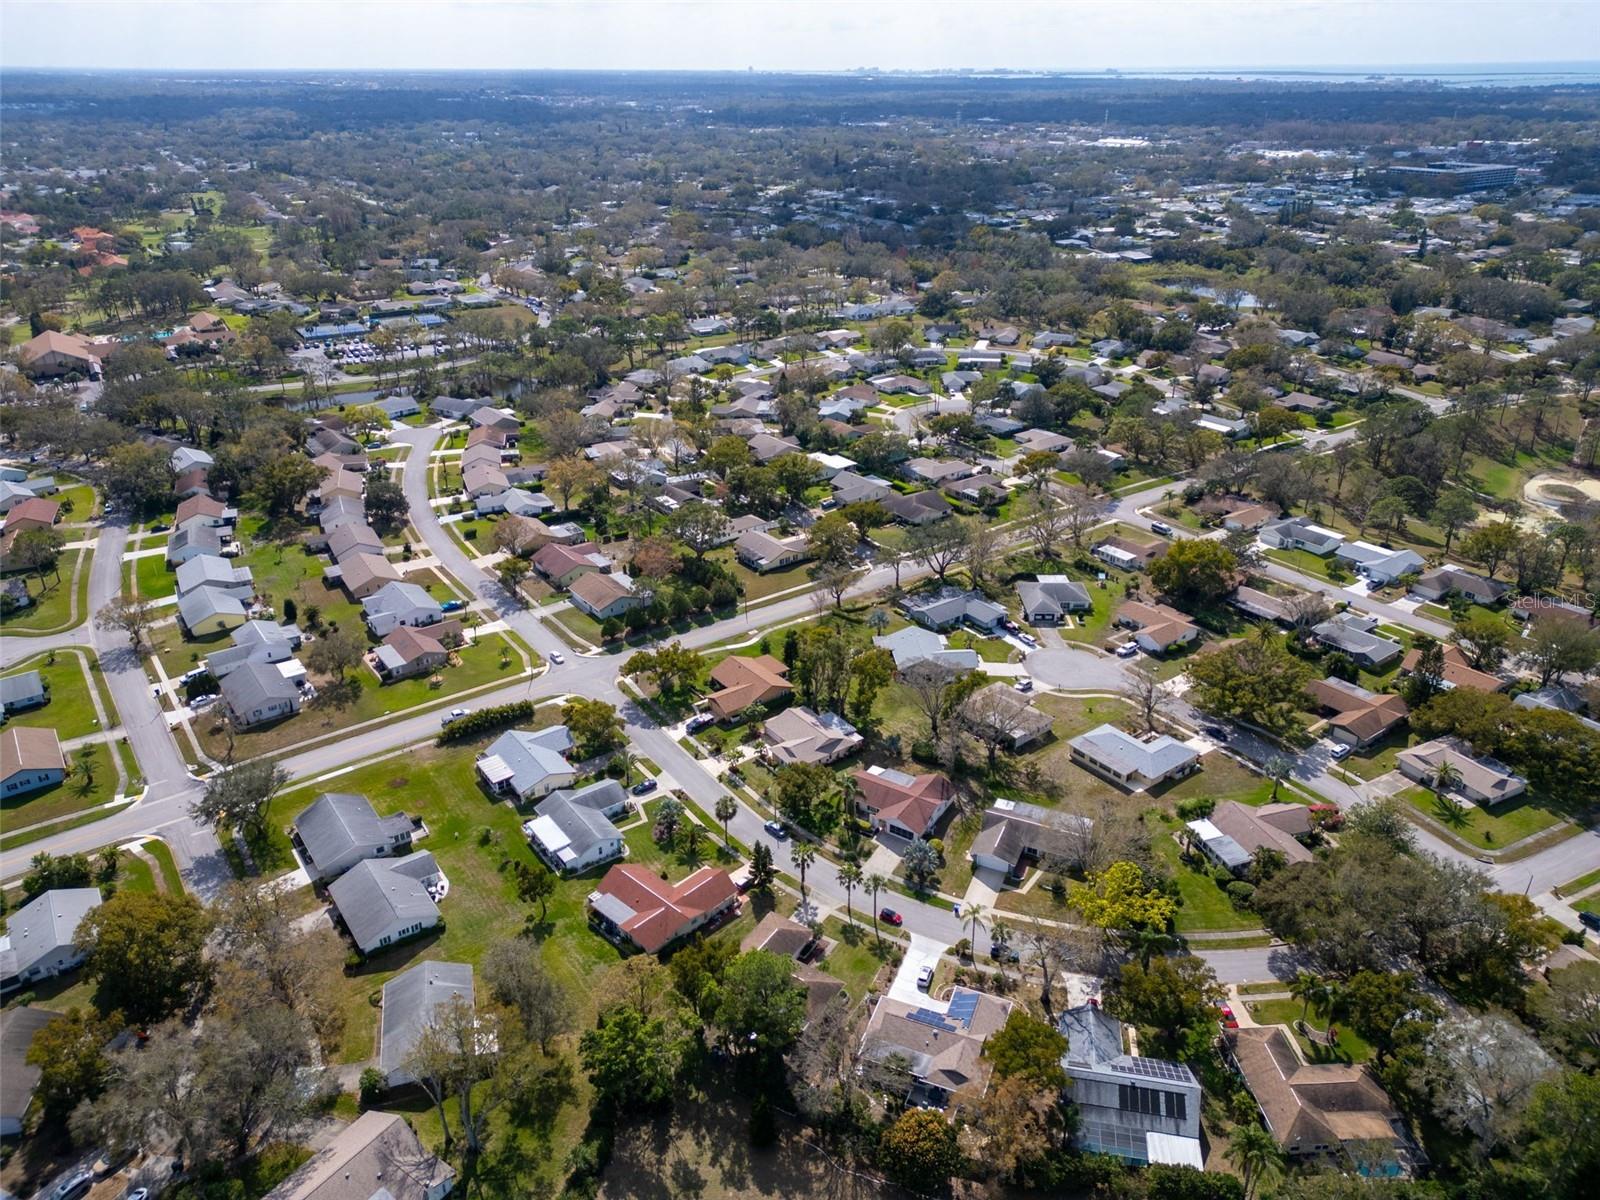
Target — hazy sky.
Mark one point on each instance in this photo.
(799, 34)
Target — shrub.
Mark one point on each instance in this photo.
(1197, 809)
(1241, 893)
(485, 720)
(1222, 876)
(371, 1086)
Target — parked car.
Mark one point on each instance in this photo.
(925, 977)
(776, 829)
(644, 788)
(1023, 685)
(1225, 1015)
(1215, 732)
(1127, 650)
(452, 605)
(111, 1162)
(698, 722)
(557, 657)
(1027, 639)
(138, 1194)
(1592, 920)
(889, 917)
(455, 714)
(1338, 751)
(73, 1186)
(1002, 952)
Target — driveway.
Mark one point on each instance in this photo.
(924, 952)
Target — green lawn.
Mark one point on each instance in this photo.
(70, 711)
(1510, 822)
(135, 875)
(1303, 561)
(759, 585)
(78, 503)
(153, 578)
(858, 956)
(1580, 883)
(1347, 1047)
(1589, 904)
(157, 849)
(73, 795)
(481, 663)
(989, 649)
(1205, 906)
(55, 606)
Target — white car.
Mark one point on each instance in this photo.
(1127, 650)
(557, 657)
(1338, 751)
(925, 978)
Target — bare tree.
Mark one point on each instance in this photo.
(1044, 521)
(1081, 512)
(132, 617)
(929, 683)
(1142, 689)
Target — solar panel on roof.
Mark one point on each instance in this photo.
(962, 1006)
(926, 1016)
(1153, 1068)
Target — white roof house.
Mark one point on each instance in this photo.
(1135, 763)
(386, 900)
(400, 603)
(410, 1001)
(1379, 563)
(38, 941)
(528, 764)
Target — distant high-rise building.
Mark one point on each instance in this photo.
(1451, 178)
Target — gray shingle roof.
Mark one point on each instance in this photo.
(378, 894)
(335, 823)
(410, 1000)
(43, 926)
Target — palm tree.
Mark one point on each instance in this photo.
(727, 809)
(1445, 776)
(1255, 1152)
(973, 919)
(850, 876)
(875, 884)
(1000, 938)
(1147, 942)
(804, 854)
(1277, 769)
(1306, 987)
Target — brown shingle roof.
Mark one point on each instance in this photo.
(747, 681)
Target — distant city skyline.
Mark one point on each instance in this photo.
(803, 35)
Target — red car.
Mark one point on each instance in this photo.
(1225, 1013)
(891, 917)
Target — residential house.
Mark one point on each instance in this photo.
(256, 693)
(528, 764)
(1379, 563)
(574, 830)
(355, 538)
(1277, 826)
(851, 488)
(1458, 672)
(411, 1002)
(948, 607)
(914, 644)
(53, 353)
(193, 539)
(1483, 781)
(1016, 836)
(802, 735)
(938, 1045)
(1126, 554)
(1142, 1110)
(23, 691)
(400, 603)
(188, 458)
(917, 508)
(777, 934)
(907, 806)
(1297, 533)
(1443, 582)
(518, 501)
(1031, 441)
(257, 642)
(398, 407)
(762, 552)
(482, 479)
(999, 711)
(897, 385)
(207, 611)
(1136, 763)
(1156, 627)
(190, 483)
(1263, 605)
(19, 1078)
(604, 596)
(35, 512)
(339, 829)
(215, 572)
(936, 472)
(984, 490)
(634, 904)
(407, 652)
(383, 901)
(1352, 633)
(561, 564)
(40, 938)
(363, 575)
(1359, 717)
(1318, 1109)
(764, 447)
(207, 509)
(1049, 599)
(743, 681)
